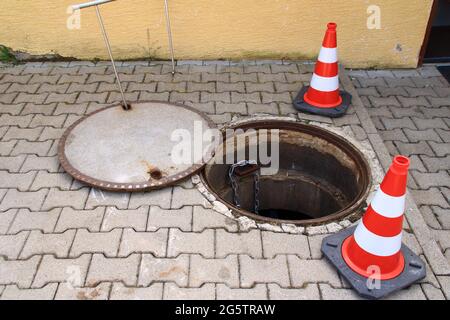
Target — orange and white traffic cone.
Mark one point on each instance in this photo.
(323, 97)
(374, 251)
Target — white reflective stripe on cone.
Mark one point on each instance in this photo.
(328, 55)
(324, 83)
(375, 244)
(388, 206)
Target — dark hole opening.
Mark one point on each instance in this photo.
(316, 178)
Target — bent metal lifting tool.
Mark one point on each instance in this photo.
(96, 3)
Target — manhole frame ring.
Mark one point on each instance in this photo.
(354, 208)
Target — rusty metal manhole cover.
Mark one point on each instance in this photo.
(116, 149)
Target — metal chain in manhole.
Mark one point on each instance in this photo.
(252, 167)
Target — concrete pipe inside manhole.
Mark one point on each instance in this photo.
(321, 177)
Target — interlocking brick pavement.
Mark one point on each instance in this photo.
(415, 122)
(60, 239)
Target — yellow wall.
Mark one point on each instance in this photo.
(214, 29)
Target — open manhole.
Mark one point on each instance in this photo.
(321, 177)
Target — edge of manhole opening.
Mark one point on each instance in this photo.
(329, 224)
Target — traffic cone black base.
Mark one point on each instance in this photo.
(413, 271)
(301, 105)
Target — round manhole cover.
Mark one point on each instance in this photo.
(321, 177)
(128, 150)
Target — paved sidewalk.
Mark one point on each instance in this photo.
(411, 110)
(60, 239)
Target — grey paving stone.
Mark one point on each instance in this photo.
(45, 179)
(120, 292)
(50, 133)
(20, 181)
(258, 292)
(6, 219)
(427, 180)
(210, 219)
(78, 219)
(439, 102)
(68, 272)
(281, 243)
(220, 118)
(424, 124)
(178, 218)
(12, 109)
(12, 164)
(248, 77)
(27, 147)
(240, 108)
(263, 270)
(214, 270)
(6, 147)
(429, 197)
(8, 97)
(444, 134)
(18, 199)
(222, 97)
(159, 198)
(12, 292)
(99, 292)
(233, 86)
(271, 108)
(432, 293)
(57, 198)
(420, 148)
(96, 242)
(305, 271)
(134, 218)
(445, 284)
(15, 120)
(416, 92)
(398, 123)
(238, 243)
(113, 269)
(34, 162)
(275, 97)
(105, 198)
(19, 272)
(443, 216)
(245, 97)
(173, 292)
(330, 293)
(35, 220)
(309, 292)
(159, 269)
(187, 197)
(201, 86)
(191, 242)
(21, 133)
(441, 149)
(144, 242)
(418, 135)
(384, 101)
(39, 243)
(259, 87)
(34, 98)
(11, 245)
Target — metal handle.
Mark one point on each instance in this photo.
(90, 4)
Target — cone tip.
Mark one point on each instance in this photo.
(401, 163)
(331, 26)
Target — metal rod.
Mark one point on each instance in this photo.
(108, 46)
(89, 4)
(169, 33)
